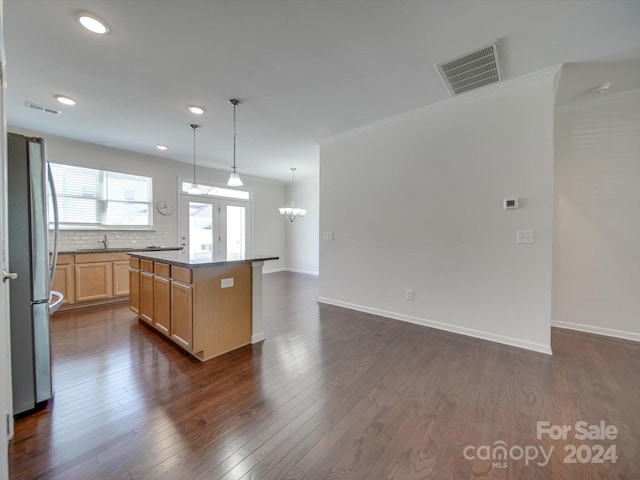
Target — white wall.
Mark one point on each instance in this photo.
(415, 203)
(268, 231)
(596, 267)
(302, 234)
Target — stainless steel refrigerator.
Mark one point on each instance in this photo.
(31, 300)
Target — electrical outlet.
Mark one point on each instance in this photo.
(226, 283)
(328, 235)
(408, 295)
(526, 236)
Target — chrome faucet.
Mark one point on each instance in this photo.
(104, 241)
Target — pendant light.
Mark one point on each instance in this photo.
(194, 190)
(234, 178)
(291, 212)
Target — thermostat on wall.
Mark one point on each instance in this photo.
(510, 203)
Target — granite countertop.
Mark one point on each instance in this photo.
(182, 259)
(116, 250)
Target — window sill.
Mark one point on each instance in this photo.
(104, 229)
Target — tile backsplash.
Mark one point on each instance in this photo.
(72, 240)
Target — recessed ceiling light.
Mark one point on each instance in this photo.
(93, 23)
(65, 100)
(162, 147)
(601, 88)
(196, 109)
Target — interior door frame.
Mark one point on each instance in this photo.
(6, 402)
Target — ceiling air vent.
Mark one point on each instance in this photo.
(42, 108)
(471, 70)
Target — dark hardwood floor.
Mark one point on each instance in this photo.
(331, 394)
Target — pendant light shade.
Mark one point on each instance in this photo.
(234, 178)
(292, 212)
(194, 190)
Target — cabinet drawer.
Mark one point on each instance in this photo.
(146, 265)
(100, 257)
(134, 262)
(161, 269)
(64, 259)
(181, 274)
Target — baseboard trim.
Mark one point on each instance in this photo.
(469, 332)
(258, 337)
(274, 270)
(293, 270)
(306, 272)
(607, 332)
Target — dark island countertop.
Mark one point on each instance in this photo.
(182, 259)
(118, 250)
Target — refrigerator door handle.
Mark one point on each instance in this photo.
(56, 224)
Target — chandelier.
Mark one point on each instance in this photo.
(292, 212)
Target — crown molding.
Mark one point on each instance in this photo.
(463, 97)
(616, 97)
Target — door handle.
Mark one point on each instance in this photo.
(8, 276)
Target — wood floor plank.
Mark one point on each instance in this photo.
(331, 394)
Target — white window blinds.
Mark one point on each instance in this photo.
(89, 198)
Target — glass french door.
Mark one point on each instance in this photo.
(210, 226)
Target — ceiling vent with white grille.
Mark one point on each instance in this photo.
(42, 108)
(471, 70)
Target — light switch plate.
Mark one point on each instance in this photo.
(226, 283)
(328, 235)
(526, 236)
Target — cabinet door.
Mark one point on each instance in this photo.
(63, 282)
(134, 290)
(182, 314)
(93, 281)
(146, 297)
(120, 278)
(162, 304)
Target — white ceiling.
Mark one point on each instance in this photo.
(303, 69)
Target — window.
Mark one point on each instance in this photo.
(89, 198)
(210, 190)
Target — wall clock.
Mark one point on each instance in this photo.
(164, 207)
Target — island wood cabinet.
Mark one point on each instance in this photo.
(134, 285)
(205, 310)
(90, 278)
(182, 313)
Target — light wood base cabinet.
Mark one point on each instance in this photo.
(134, 290)
(64, 279)
(120, 276)
(162, 304)
(182, 315)
(91, 278)
(94, 281)
(146, 297)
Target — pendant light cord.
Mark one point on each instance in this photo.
(234, 137)
(194, 126)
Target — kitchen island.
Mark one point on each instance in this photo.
(208, 305)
